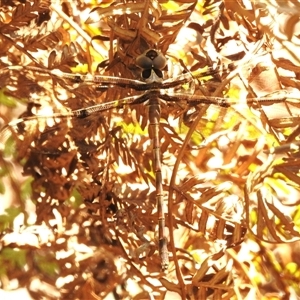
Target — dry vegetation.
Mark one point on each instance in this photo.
(79, 218)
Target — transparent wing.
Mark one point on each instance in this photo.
(90, 146)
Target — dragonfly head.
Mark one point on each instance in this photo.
(151, 62)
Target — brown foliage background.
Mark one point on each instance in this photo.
(79, 214)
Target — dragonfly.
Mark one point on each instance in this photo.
(153, 90)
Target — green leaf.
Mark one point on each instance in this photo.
(75, 200)
(7, 100)
(9, 147)
(26, 190)
(46, 266)
(7, 219)
(3, 171)
(16, 256)
(2, 188)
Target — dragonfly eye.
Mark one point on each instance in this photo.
(151, 59)
(159, 62)
(143, 62)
